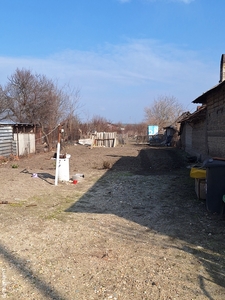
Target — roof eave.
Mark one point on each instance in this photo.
(203, 98)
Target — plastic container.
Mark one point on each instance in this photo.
(63, 174)
(215, 180)
(78, 177)
(198, 173)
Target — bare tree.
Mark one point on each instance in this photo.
(99, 123)
(71, 121)
(139, 129)
(33, 98)
(163, 112)
(3, 106)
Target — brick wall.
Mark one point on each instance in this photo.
(199, 140)
(216, 122)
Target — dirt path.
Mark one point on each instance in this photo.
(135, 231)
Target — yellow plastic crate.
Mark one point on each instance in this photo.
(197, 173)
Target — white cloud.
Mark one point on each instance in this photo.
(128, 76)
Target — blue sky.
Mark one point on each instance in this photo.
(120, 54)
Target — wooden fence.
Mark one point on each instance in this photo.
(105, 139)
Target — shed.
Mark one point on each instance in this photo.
(172, 131)
(169, 133)
(16, 138)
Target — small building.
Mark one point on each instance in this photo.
(172, 131)
(169, 134)
(16, 139)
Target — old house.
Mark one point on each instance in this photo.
(212, 133)
(172, 131)
(193, 133)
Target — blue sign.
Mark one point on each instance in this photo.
(152, 129)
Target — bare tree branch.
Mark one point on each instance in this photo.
(163, 112)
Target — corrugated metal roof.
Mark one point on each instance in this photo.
(7, 122)
(6, 118)
(10, 122)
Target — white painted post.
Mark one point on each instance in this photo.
(57, 164)
(57, 155)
